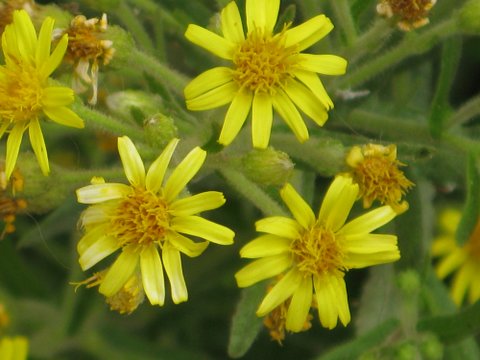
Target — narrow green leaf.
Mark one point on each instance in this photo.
(472, 203)
(440, 109)
(245, 324)
(355, 348)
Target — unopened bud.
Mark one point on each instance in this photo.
(134, 105)
(268, 167)
(469, 17)
(159, 130)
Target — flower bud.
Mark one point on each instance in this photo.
(431, 348)
(159, 130)
(409, 282)
(268, 167)
(134, 105)
(469, 17)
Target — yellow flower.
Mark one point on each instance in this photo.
(411, 14)
(314, 254)
(375, 169)
(10, 205)
(25, 93)
(268, 71)
(463, 262)
(13, 348)
(146, 218)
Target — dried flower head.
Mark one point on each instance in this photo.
(375, 169)
(10, 205)
(87, 48)
(8, 7)
(411, 14)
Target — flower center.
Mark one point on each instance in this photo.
(140, 219)
(262, 62)
(317, 251)
(411, 10)
(21, 91)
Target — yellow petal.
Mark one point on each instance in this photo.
(197, 203)
(450, 263)
(57, 96)
(232, 27)
(97, 251)
(461, 282)
(64, 116)
(265, 245)
(214, 98)
(280, 292)
(95, 214)
(210, 41)
(183, 173)
(322, 64)
(300, 306)
(205, 229)
(91, 237)
(119, 273)
(306, 101)
(208, 81)
(300, 210)
(312, 81)
(173, 267)
(152, 275)
(157, 170)
(55, 58)
(13, 146)
(289, 113)
(332, 302)
(305, 35)
(131, 161)
(359, 261)
(185, 245)
(38, 145)
(262, 14)
(96, 193)
(26, 35)
(369, 243)
(236, 115)
(370, 221)
(280, 226)
(44, 42)
(262, 117)
(262, 269)
(443, 245)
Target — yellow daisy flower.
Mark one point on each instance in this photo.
(314, 254)
(145, 219)
(461, 262)
(25, 93)
(269, 71)
(13, 348)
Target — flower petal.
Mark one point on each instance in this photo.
(370, 221)
(90, 237)
(26, 34)
(262, 117)
(280, 292)
(207, 81)
(49, 66)
(322, 64)
(305, 35)
(152, 275)
(205, 229)
(300, 306)
(44, 42)
(280, 226)
(332, 301)
(185, 245)
(235, 118)
(262, 269)
(369, 243)
(210, 41)
(157, 170)
(183, 173)
(338, 202)
(265, 245)
(13, 146)
(38, 145)
(289, 113)
(262, 15)
(197, 203)
(359, 261)
(300, 210)
(214, 98)
(232, 27)
(131, 161)
(119, 273)
(443, 245)
(97, 251)
(173, 267)
(57, 96)
(312, 81)
(64, 116)
(451, 262)
(96, 193)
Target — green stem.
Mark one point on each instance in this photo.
(98, 120)
(412, 44)
(466, 112)
(343, 13)
(373, 38)
(160, 72)
(252, 192)
(134, 26)
(151, 7)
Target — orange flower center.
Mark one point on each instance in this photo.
(140, 219)
(262, 62)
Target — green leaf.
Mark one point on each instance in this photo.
(245, 324)
(472, 203)
(440, 109)
(355, 348)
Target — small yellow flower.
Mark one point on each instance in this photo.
(269, 71)
(375, 169)
(146, 219)
(87, 47)
(411, 14)
(13, 348)
(314, 254)
(10, 205)
(25, 93)
(463, 262)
